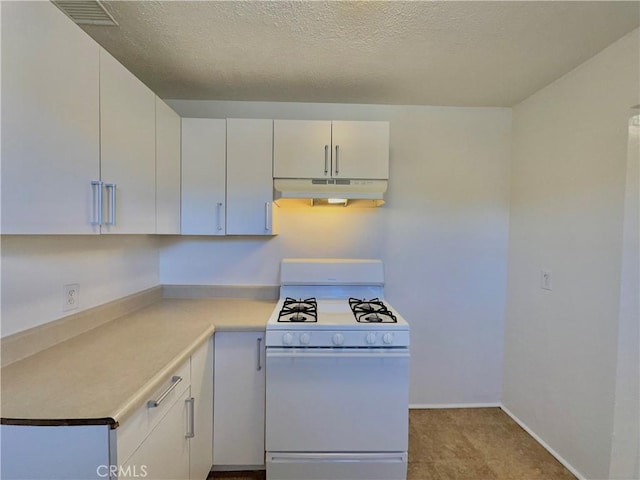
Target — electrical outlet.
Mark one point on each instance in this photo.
(70, 297)
(546, 280)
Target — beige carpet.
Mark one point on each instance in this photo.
(476, 444)
(470, 444)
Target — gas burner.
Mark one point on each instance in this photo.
(371, 311)
(299, 310)
(373, 318)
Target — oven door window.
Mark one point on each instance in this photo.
(337, 400)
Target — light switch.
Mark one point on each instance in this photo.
(546, 280)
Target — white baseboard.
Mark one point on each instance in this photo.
(425, 406)
(558, 457)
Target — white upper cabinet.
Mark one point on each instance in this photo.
(325, 149)
(250, 208)
(360, 150)
(301, 149)
(128, 150)
(167, 169)
(203, 176)
(50, 122)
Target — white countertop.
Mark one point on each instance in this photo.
(103, 375)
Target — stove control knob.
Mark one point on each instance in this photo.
(287, 339)
(387, 338)
(371, 338)
(338, 339)
(305, 338)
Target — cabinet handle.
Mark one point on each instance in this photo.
(111, 188)
(219, 205)
(97, 202)
(337, 158)
(175, 380)
(326, 159)
(267, 216)
(191, 432)
(259, 354)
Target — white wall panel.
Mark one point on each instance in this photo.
(625, 448)
(35, 269)
(567, 205)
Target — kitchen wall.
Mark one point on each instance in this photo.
(567, 206)
(442, 235)
(35, 268)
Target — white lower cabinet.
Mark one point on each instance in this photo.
(170, 439)
(55, 453)
(201, 447)
(239, 394)
(179, 444)
(164, 454)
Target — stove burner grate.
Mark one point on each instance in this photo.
(371, 311)
(299, 310)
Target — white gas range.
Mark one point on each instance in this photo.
(337, 375)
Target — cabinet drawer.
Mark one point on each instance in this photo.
(136, 428)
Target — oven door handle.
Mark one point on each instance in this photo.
(337, 352)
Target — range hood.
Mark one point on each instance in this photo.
(365, 192)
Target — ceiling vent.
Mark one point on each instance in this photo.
(86, 12)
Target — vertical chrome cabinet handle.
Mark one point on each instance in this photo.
(267, 216)
(97, 202)
(190, 417)
(111, 188)
(337, 159)
(219, 205)
(259, 354)
(326, 159)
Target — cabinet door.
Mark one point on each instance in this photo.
(201, 444)
(238, 399)
(167, 169)
(250, 207)
(50, 121)
(203, 176)
(164, 454)
(301, 149)
(54, 452)
(128, 150)
(360, 150)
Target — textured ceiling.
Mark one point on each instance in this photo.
(393, 52)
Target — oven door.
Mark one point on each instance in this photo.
(337, 400)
